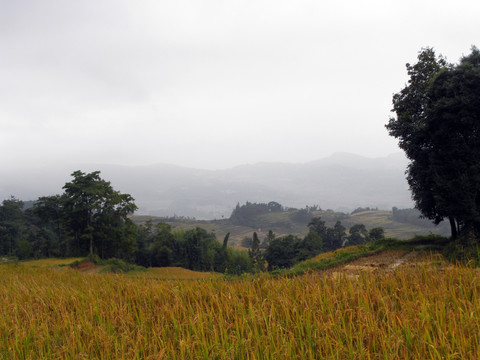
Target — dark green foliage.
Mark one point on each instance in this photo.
(310, 246)
(220, 261)
(94, 215)
(285, 252)
(388, 243)
(255, 254)
(270, 236)
(247, 214)
(162, 246)
(119, 266)
(463, 252)
(49, 210)
(418, 242)
(43, 241)
(194, 249)
(12, 225)
(376, 233)
(358, 235)
(438, 127)
(238, 263)
(113, 265)
(225, 240)
(90, 217)
(200, 249)
(24, 249)
(332, 238)
(318, 225)
(281, 252)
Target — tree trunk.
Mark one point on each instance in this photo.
(453, 228)
(469, 230)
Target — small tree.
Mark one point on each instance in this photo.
(270, 236)
(358, 234)
(282, 252)
(310, 246)
(255, 253)
(376, 233)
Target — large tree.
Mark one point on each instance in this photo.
(95, 216)
(438, 126)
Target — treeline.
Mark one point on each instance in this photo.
(414, 217)
(286, 251)
(91, 218)
(248, 214)
(158, 245)
(30, 233)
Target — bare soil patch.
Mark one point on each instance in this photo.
(88, 267)
(386, 261)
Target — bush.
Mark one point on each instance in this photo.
(115, 265)
(463, 253)
(94, 258)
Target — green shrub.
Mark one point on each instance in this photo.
(94, 258)
(115, 265)
(467, 254)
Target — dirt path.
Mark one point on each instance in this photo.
(385, 261)
(88, 267)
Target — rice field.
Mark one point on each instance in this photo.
(414, 312)
(50, 262)
(173, 273)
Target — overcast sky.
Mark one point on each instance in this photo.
(211, 84)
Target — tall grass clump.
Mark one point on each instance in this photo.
(466, 253)
(418, 312)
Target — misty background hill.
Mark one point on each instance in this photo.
(341, 182)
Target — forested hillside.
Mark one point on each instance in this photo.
(91, 218)
(294, 221)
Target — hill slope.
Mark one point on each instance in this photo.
(283, 223)
(341, 182)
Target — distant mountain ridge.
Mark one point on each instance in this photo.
(341, 182)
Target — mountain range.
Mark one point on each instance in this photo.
(341, 182)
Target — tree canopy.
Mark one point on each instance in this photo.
(438, 126)
(90, 217)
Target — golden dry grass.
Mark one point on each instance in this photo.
(174, 273)
(49, 262)
(414, 312)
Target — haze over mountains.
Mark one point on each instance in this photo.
(340, 182)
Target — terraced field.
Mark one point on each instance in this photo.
(422, 308)
(284, 223)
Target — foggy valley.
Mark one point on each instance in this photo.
(341, 182)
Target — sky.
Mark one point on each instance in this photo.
(211, 83)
